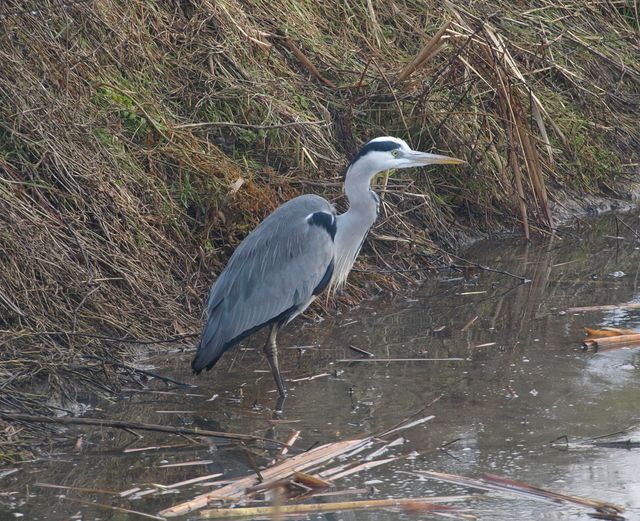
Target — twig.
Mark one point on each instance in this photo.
(292, 439)
(361, 351)
(135, 369)
(414, 423)
(119, 424)
(408, 419)
(41, 10)
(288, 43)
(124, 340)
(469, 324)
(349, 360)
(7, 472)
(156, 447)
(449, 443)
(471, 264)
(248, 125)
(193, 480)
(77, 489)
(616, 433)
(620, 221)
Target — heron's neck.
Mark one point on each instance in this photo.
(357, 187)
(353, 225)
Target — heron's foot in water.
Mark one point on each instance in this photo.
(279, 409)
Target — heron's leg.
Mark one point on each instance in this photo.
(271, 350)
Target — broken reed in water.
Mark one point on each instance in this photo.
(492, 482)
(610, 338)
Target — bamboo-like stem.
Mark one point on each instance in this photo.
(606, 307)
(428, 51)
(612, 341)
(428, 503)
(282, 470)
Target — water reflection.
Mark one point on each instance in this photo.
(522, 382)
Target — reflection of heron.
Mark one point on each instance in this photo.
(298, 250)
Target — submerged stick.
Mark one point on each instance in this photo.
(77, 489)
(118, 424)
(112, 507)
(621, 444)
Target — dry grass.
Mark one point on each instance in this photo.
(141, 140)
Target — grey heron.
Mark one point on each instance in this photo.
(294, 254)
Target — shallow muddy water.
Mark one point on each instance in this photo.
(517, 381)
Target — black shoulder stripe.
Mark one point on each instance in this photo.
(324, 220)
(326, 278)
(376, 146)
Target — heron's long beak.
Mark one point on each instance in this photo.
(425, 158)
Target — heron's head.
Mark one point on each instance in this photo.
(387, 153)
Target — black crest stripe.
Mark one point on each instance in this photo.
(376, 146)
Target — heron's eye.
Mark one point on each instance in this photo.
(395, 153)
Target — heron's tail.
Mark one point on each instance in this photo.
(203, 360)
(211, 346)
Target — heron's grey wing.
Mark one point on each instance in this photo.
(272, 276)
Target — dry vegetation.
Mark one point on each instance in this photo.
(140, 140)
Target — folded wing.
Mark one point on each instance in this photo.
(272, 276)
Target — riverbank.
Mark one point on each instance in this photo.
(140, 142)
